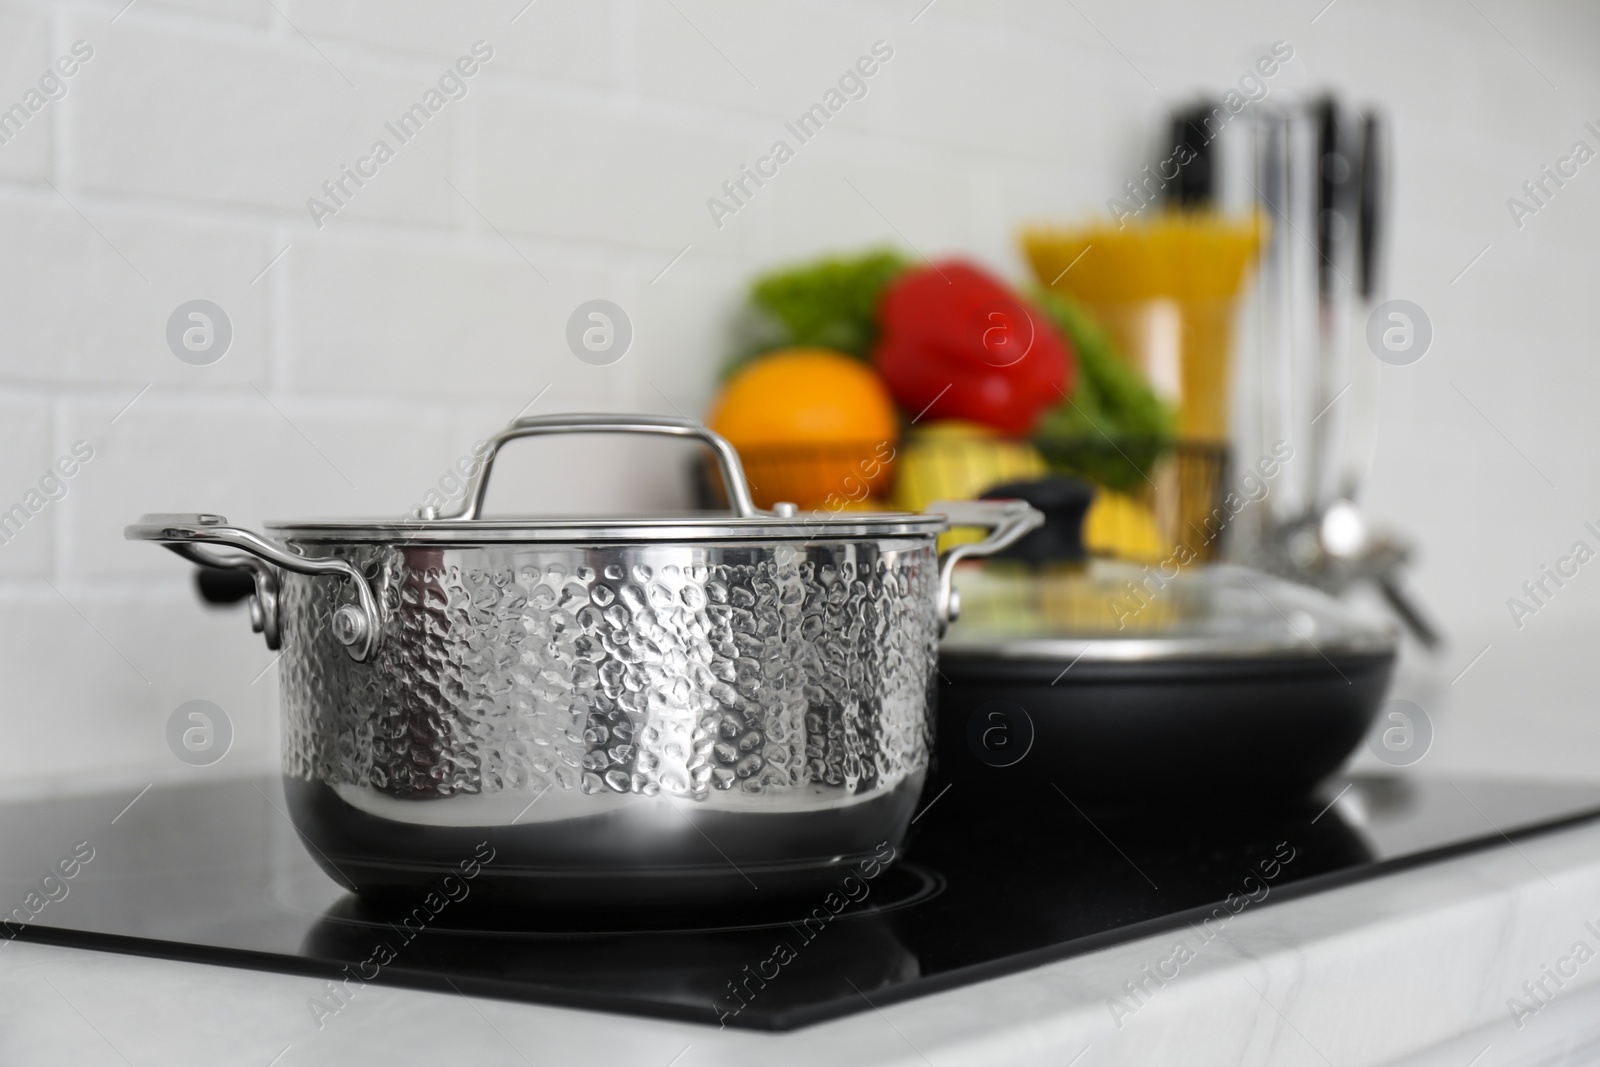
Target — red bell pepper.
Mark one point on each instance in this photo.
(955, 343)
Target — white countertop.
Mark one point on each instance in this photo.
(1414, 967)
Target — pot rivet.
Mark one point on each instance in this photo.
(258, 616)
(954, 611)
(349, 625)
(783, 509)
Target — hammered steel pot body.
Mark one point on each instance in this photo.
(645, 723)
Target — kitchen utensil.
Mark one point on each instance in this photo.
(654, 711)
(1371, 192)
(1316, 532)
(1128, 684)
(1274, 163)
(1331, 371)
(1195, 187)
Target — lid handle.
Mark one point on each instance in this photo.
(538, 425)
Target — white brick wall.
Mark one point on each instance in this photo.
(77, 311)
(380, 346)
(25, 442)
(25, 54)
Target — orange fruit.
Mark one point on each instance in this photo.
(813, 426)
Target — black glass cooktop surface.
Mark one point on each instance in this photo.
(214, 873)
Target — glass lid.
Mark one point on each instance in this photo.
(1123, 612)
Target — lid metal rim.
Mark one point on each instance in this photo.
(511, 531)
(1151, 650)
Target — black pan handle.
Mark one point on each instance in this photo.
(223, 585)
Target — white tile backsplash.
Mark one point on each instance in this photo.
(87, 287)
(374, 316)
(26, 57)
(27, 537)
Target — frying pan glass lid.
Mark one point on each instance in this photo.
(1113, 611)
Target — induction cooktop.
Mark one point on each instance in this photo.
(214, 873)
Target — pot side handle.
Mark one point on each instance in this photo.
(1007, 521)
(209, 540)
(539, 425)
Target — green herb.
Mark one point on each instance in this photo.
(827, 303)
(1114, 427)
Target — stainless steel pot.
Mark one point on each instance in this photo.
(659, 710)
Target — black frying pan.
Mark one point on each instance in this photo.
(1227, 684)
(1167, 732)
